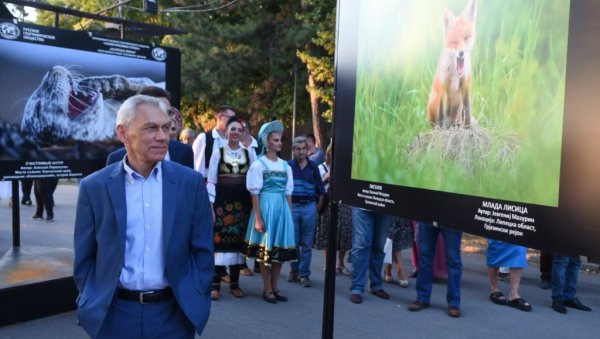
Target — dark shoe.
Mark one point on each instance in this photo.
(305, 282)
(576, 304)
(270, 297)
(498, 298)
(356, 298)
(414, 274)
(381, 294)
(292, 276)
(559, 306)
(417, 306)
(50, 217)
(454, 311)
(545, 284)
(37, 216)
(279, 296)
(26, 202)
(520, 304)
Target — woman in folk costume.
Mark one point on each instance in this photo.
(231, 204)
(270, 235)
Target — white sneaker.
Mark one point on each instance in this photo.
(343, 270)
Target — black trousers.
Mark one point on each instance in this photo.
(43, 189)
(546, 265)
(26, 185)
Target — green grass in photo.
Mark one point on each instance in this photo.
(518, 67)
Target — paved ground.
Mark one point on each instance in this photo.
(301, 317)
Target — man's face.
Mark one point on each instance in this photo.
(245, 132)
(222, 118)
(299, 151)
(187, 139)
(309, 143)
(146, 138)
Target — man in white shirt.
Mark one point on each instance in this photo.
(143, 239)
(214, 138)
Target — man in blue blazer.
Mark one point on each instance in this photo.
(143, 237)
(178, 152)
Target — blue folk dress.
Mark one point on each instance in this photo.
(271, 181)
(502, 254)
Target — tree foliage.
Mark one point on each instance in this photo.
(243, 55)
(318, 56)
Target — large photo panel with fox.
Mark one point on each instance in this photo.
(466, 96)
(461, 114)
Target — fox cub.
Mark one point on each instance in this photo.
(450, 98)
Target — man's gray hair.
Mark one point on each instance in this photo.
(299, 140)
(189, 132)
(128, 110)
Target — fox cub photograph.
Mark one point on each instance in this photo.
(462, 96)
(450, 99)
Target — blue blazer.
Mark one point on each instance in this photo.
(178, 152)
(100, 224)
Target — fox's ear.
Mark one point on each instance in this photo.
(449, 20)
(471, 10)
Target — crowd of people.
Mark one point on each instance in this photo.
(233, 199)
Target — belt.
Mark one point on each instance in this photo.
(145, 297)
(302, 201)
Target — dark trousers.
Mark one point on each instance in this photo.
(234, 276)
(43, 189)
(546, 266)
(26, 185)
(130, 319)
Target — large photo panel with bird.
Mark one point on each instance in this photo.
(60, 91)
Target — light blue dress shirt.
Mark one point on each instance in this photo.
(144, 263)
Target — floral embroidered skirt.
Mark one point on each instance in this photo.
(232, 208)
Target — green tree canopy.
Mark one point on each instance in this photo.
(243, 55)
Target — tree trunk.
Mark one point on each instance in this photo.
(315, 107)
